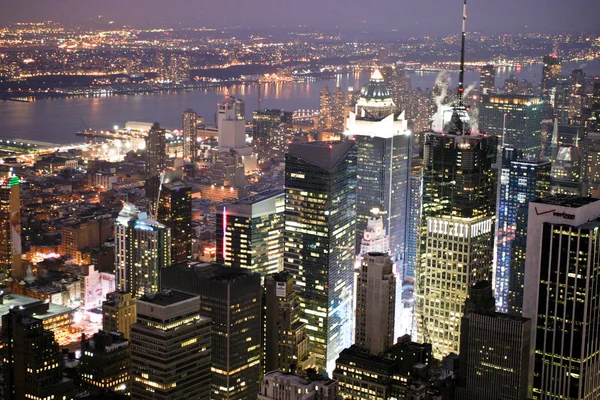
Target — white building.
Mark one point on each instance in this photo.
(278, 385)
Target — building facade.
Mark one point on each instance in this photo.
(10, 227)
(119, 313)
(562, 292)
(521, 181)
(231, 298)
(175, 212)
(105, 362)
(189, 124)
(250, 233)
(170, 348)
(142, 249)
(375, 303)
(285, 342)
(457, 230)
(495, 350)
(320, 218)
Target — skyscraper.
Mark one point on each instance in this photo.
(324, 109)
(337, 109)
(457, 229)
(495, 350)
(142, 249)
(231, 122)
(285, 340)
(250, 233)
(413, 223)
(521, 180)
(551, 71)
(175, 212)
(517, 119)
(487, 80)
(264, 124)
(10, 227)
(32, 360)
(383, 145)
(231, 298)
(375, 303)
(190, 145)
(156, 163)
(320, 215)
(170, 348)
(562, 291)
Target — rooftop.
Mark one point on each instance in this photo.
(326, 155)
(11, 300)
(166, 298)
(213, 271)
(566, 200)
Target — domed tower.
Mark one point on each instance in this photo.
(375, 99)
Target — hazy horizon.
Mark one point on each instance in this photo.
(407, 17)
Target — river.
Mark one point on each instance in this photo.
(57, 120)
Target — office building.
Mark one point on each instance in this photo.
(190, 143)
(521, 180)
(105, 362)
(386, 376)
(551, 70)
(142, 249)
(590, 149)
(383, 145)
(285, 342)
(487, 79)
(495, 350)
(175, 212)
(156, 163)
(567, 174)
(231, 298)
(250, 233)
(10, 227)
(457, 232)
(337, 109)
(517, 119)
(561, 286)
(119, 313)
(278, 385)
(320, 215)
(31, 357)
(324, 121)
(170, 348)
(375, 303)
(458, 218)
(231, 124)
(265, 124)
(413, 223)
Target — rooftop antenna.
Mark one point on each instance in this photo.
(461, 74)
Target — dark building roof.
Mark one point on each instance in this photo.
(166, 297)
(566, 200)
(326, 155)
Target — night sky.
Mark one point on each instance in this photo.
(417, 17)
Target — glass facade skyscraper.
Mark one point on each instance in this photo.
(250, 233)
(320, 228)
(383, 143)
(517, 119)
(520, 182)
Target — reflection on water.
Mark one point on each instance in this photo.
(57, 120)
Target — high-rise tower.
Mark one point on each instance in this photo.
(487, 79)
(562, 290)
(156, 163)
(383, 144)
(175, 212)
(320, 218)
(325, 109)
(190, 145)
(457, 229)
(10, 227)
(143, 248)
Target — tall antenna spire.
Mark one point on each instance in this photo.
(461, 75)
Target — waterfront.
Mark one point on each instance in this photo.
(57, 120)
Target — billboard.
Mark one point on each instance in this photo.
(15, 233)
